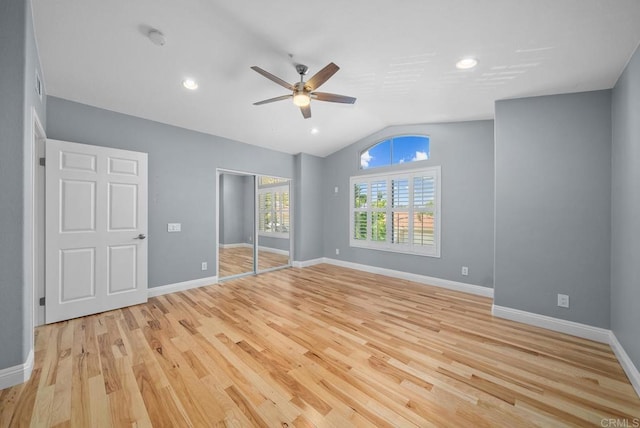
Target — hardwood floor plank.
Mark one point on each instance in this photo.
(156, 409)
(320, 346)
(98, 403)
(246, 408)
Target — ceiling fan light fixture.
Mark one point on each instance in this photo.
(466, 63)
(190, 84)
(301, 99)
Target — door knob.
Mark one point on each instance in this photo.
(141, 236)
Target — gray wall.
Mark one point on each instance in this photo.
(234, 212)
(309, 207)
(465, 152)
(19, 62)
(182, 182)
(625, 205)
(553, 218)
(275, 243)
(248, 209)
(221, 239)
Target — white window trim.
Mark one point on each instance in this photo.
(430, 251)
(280, 188)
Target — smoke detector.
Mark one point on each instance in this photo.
(156, 37)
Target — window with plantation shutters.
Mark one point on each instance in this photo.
(397, 212)
(273, 211)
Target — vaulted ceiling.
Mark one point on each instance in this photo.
(396, 57)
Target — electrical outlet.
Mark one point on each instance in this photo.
(337, 251)
(204, 265)
(174, 227)
(465, 270)
(563, 300)
(335, 189)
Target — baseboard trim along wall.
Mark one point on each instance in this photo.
(584, 331)
(272, 250)
(422, 279)
(237, 245)
(307, 263)
(625, 361)
(17, 374)
(181, 286)
(260, 248)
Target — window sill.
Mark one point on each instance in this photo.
(426, 252)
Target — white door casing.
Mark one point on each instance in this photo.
(96, 222)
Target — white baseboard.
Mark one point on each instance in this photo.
(17, 374)
(273, 250)
(629, 368)
(423, 279)
(307, 263)
(260, 248)
(238, 245)
(563, 326)
(584, 331)
(181, 286)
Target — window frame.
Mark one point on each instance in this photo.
(410, 247)
(277, 188)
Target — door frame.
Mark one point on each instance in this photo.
(34, 232)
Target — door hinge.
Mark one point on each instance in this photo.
(42, 301)
(43, 161)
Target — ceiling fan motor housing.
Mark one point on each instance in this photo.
(299, 87)
(302, 69)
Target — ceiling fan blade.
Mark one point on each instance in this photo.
(333, 98)
(271, 100)
(306, 111)
(273, 78)
(321, 76)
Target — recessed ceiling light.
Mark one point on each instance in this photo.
(466, 63)
(190, 84)
(314, 130)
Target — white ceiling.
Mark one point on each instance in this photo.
(396, 57)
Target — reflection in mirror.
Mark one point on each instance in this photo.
(236, 225)
(274, 222)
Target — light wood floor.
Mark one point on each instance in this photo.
(237, 260)
(321, 346)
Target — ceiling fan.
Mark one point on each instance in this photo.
(303, 92)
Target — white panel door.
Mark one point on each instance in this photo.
(96, 222)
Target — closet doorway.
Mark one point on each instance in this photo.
(254, 223)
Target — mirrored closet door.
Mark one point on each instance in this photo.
(274, 222)
(236, 224)
(254, 223)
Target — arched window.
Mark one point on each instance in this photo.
(395, 150)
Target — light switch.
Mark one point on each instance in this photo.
(174, 227)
